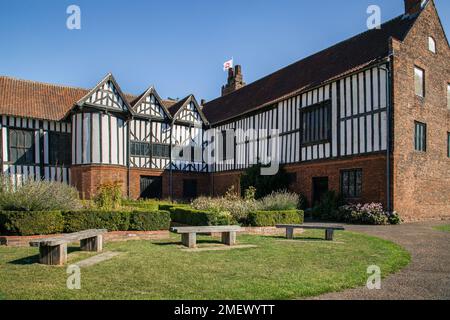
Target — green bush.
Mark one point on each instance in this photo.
(279, 201)
(150, 221)
(109, 196)
(327, 208)
(75, 221)
(30, 223)
(194, 217)
(136, 220)
(264, 185)
(369, 213)
(272, 218)
(37, 196)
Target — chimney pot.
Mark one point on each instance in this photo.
(414, 6)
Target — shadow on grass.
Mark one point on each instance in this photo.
(297, 238)
(178, 243)
(35, 258)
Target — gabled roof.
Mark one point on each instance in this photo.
(44, 101)
(176, 108)
(343, 58)
(108, 78)
(150, 91)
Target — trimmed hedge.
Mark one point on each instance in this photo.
(30, 223)
(75, 221)
(150, 221)
(192, 217)
(272, 218)
(136, 220)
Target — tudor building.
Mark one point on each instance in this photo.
(368, 117)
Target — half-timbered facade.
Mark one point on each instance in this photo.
(342, 119)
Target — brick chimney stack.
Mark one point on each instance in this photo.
(413, 7)
(235, 80)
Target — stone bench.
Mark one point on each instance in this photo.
(53, 251)
(189, 234)
(329, 230)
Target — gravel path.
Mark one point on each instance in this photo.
(426, 277)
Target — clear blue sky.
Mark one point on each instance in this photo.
(176, 45)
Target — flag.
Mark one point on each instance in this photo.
(228, 65)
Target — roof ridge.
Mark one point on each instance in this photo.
(57, 85)
(43, 83)
(312, 55)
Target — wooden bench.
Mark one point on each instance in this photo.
(189, 234)
(329, 231)
(53, 251)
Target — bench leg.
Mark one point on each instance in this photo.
(329, 234)
(54, 256)
(290, 233)
(189, 240)
(94, 244)
(229, 238)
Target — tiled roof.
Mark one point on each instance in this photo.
(30, 99)
(344, 57)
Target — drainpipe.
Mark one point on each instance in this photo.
(170, 163)
(128, 157)
(389, 133)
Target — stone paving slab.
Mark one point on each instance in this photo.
(219, 248)
(97, 259)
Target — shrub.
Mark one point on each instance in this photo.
(75, 221)
(109, 196)
(231, 204)
(150, 220)
(195, 217)
(30, 223)
(278, 201)
(371, 213)
(264, 185)
(327, 208)
(37, 196)
(272, 218)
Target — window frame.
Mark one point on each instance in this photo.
(31, 150)
(316, 114)
(162, 147)
(134, 143)
(67, 151)
(448, 144)
(358, 187)
(422, 146)
(423, 93)
(432, 41)
(448, 96)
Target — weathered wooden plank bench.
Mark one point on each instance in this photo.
(189, 234)
(53, 251)
(329, 230)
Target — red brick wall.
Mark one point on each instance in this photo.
(203, 182)
(373, 176)
(421, 180)
(87, 179)
(224, 180)
(373, 167)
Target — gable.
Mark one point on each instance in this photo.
(108, 96)
(189, 113)
(428, 24)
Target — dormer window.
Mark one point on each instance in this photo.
(431, 44)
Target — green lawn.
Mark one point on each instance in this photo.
(276, 269)
(445, 228)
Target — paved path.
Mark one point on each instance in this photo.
(426, 277)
